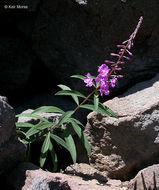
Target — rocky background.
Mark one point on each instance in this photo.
(43, 45)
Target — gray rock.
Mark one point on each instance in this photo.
(86, 171)
(147, 178)
(28, 176)
(124, 145)
(52, 117)
(11, 150)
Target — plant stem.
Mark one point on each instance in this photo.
(86, 99)
(108, 76)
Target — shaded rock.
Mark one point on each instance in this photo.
(16, 60)
(122, 146)
(7, 120)
(147, 178)
(29, 176)
(11, 150)
(87, 171)
(76, 37)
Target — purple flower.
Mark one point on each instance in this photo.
(107, 77)
(104, 87)
(88, 80)
(102, 79)
(113, 81)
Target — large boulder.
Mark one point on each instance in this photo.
(11, 150)
(122, 146)
(73, 37)
(29, 176)
(147, 178)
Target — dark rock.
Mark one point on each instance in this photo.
(147, 178)
(7, 120)
(16, 60)
(11, 150)
(72, 39)
(120, 147)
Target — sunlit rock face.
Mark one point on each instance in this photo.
(120, 147)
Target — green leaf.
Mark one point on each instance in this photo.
(64, 87)
(70, 144)
(48, 109)
(70, 92)
(44, 150)
(78, 76)
(107, 110)
(53, 156)
(32, 115)
(96, 102)
(65, 117)
(77, 121)
(38, 127)
(101, 109)
(23, 125)
(18, 131)
(81, 135)
(59, 141)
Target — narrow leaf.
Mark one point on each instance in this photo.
(44, 150)
(70, 144)
(23, 125)
(78, 76)
(81, 135)
(59, 141)
(70, 92)
(65, 117)
(77, 121)
(38, 127)
(32, 115)
(64, 87)
(101, 109)
(107, 110)
(53, 156)
(48, 109)
(96, 102)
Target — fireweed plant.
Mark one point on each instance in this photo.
(44, 130)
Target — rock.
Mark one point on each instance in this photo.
(11, 150)
(122, 146)
(29, 176)
(147, 178)
(87, 171)
(7, 120)
(52, 117)
(16, 60)
(76, 37)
